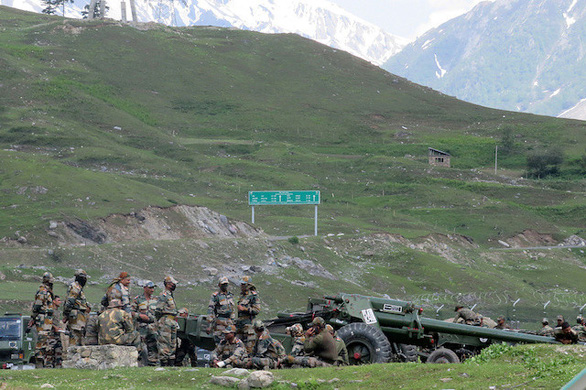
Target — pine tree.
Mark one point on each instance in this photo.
(52, 6)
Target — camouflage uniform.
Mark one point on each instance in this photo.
(251, 302)
(580, 331)
(91, 330)
(147, 329)
(546, 331)
(166, 313)
(115, 327)
(43, 320)
(221, 311)
(469, 317)
(121, 292)
(55, 341)
(231, 353)
(267, 352)
(75, 309)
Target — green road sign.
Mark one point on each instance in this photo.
(262, 198)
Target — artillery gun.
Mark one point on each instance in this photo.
(379, 330)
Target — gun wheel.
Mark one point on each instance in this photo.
(443, 356)
(365, 343)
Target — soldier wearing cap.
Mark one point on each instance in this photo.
(166, 313)
(76, 308)
(343, 359)
(57, 337)
(545, 330)
(565, 334)
(296, 332)
(119, 289)
(230, 351)
(298, 357)
(221, 310)
(579, 328)
(248, 308)
(469, 317)
(185, 346)
(116, 326)
(560, 321)
(144, 306)
(42, 319)
(320, 343)
(266, 352)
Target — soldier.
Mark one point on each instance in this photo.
(55, 341)
(42, 319)
(343, 359)
(296, 332)
(267, 352)
(501, 324)
(248, 309)
(320, 343)
(119, 289)
(546, 330)
(143, 307)
(116, 326)
(469, 317)
(91, 329)
(565, 334)
(185, 346)
(221, 310)
(298, 357)
(560, 321)
(76, 308)
(230, 352)
(580, 329)
(166, 313)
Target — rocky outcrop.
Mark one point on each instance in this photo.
(101, 357)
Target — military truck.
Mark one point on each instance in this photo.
(379, 330)
(17, 345)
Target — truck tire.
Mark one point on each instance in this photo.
(408, 353)
(443, 356)
(365, 343)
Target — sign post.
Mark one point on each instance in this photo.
(273, 198)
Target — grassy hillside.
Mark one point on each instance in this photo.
(99, 118)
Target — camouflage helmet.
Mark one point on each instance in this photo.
(246, 280)
(48, 278)
(81, 272)
(223, 280)
(170, 279)
(114, 303)
(296, 329)
(545, 321)
(318, 321)
(229, 329)
(258, 325)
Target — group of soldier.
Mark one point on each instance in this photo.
(563, 332)
(243, 341)
(149, 323)
(147, 320)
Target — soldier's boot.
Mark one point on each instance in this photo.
(171, 362)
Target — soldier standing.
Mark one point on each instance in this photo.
(267, 352)
(42, 319)
(76, 308)
(55, 341)
(248, 309)
(144, 306)
(230, 351)
(469, 317)
(546, 330)
(221, 311)
(116, 326)
(166, 313)
(118, 289)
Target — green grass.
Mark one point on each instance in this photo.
(525, 367)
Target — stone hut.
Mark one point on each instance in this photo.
(438, 158)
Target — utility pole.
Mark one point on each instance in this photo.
(496, 155)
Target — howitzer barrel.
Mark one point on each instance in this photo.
(431, 325)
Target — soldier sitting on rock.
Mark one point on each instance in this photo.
(267, 352)
(116, 326)
(230, 352)
(91, 330)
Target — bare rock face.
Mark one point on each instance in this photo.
(101, 357)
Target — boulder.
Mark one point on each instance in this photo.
(260, 379)
(226, 381)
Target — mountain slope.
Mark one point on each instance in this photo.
(517, 55)
(319, 20)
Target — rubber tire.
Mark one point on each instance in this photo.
(366, 337)
(443, 356)
(410, 352)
